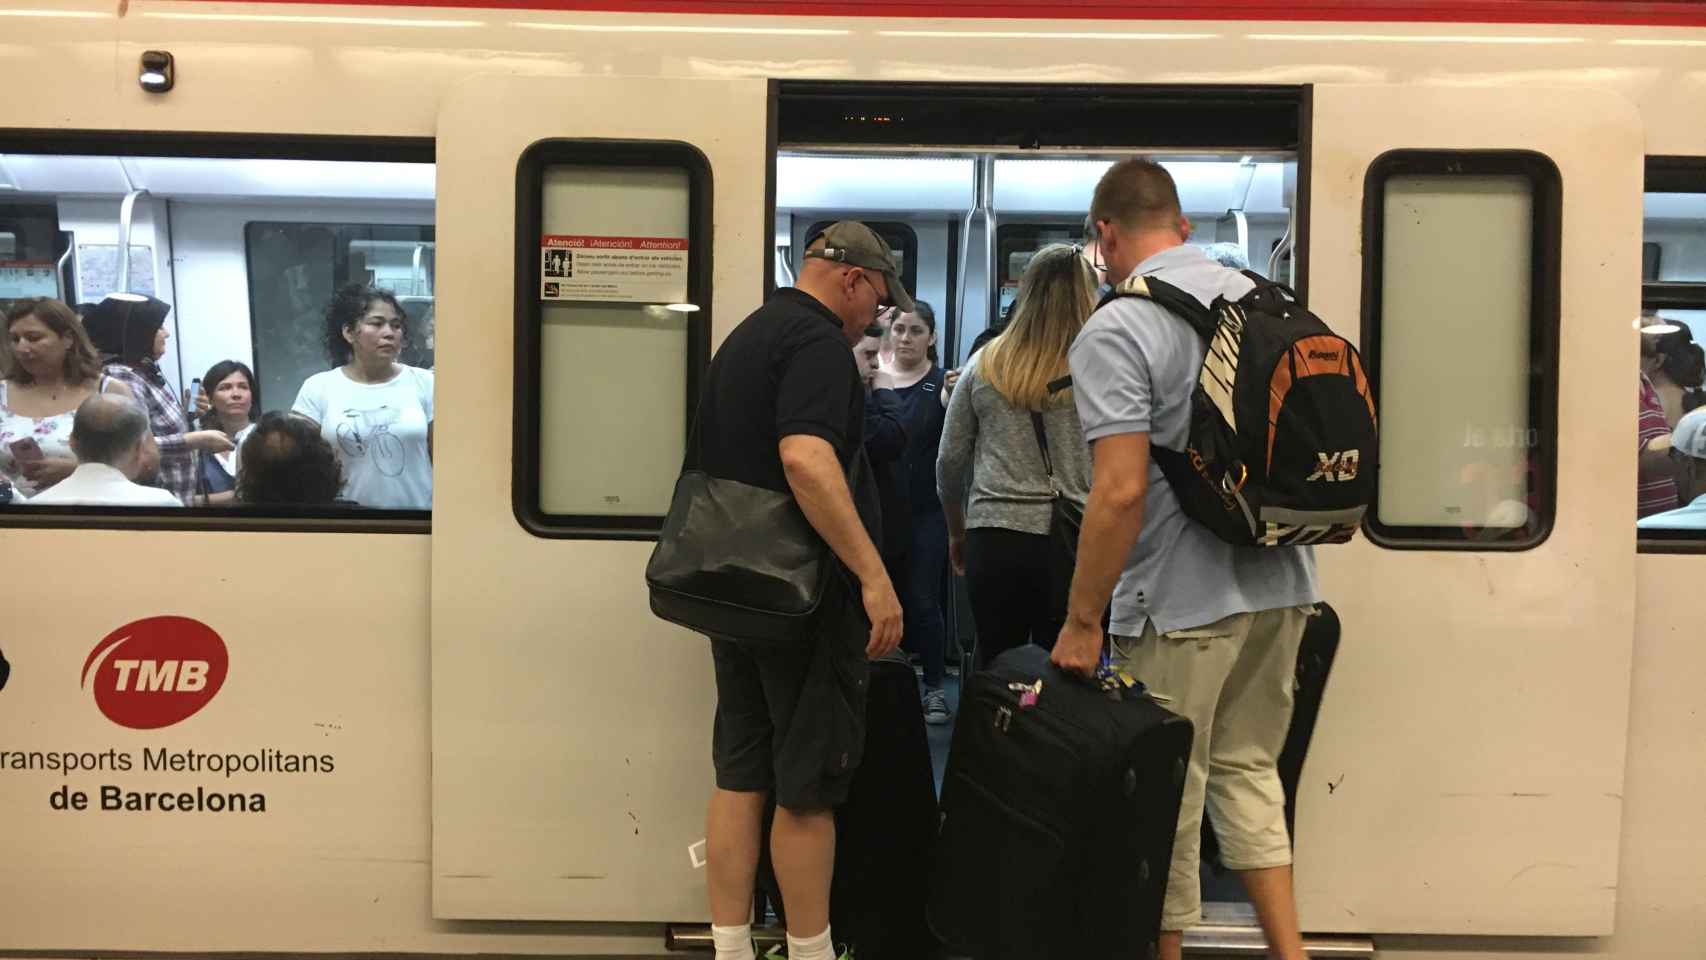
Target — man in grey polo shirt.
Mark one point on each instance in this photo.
(1212, 629)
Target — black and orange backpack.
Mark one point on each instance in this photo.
(1283, 444)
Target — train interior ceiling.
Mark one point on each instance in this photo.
(953, 217)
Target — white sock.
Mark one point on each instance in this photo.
(733, 943)
(811, 948)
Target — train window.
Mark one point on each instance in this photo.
(1016, 244)
(612, 331)
(295, 266)
(1463, 248)
(201, 277)
(1673, 366)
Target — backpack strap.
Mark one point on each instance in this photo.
(1168, 297)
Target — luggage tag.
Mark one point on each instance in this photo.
(1028, 693)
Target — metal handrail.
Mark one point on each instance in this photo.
(126, 212)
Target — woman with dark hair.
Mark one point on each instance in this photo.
(51, 367)
(286, 461)
(1676, 366)
(374, 411)
(918, 382)
(233, 406)
(129, 330)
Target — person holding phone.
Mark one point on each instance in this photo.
(51, 369)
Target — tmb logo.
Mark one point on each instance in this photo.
(156, 672)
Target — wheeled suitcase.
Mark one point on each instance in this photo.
(1314, 664)
(885, 832)
(1058, 814)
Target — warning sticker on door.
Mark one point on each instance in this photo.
(624, 269)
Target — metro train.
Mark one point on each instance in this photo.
(463, 732)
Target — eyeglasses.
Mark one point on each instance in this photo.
(883, 302)
(1093, 254)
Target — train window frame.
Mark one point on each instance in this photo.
(221, 146)
(525, 486)
(1672, 174)
(1545, 318)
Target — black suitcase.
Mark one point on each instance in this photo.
(1058, 817)
(1314, 664)
(885, 832)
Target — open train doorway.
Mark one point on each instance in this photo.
(966, 184)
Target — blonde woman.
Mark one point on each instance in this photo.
(996, 492)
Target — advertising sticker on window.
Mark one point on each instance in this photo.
(621, 269)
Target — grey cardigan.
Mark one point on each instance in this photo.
(989, 461)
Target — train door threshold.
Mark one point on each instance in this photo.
(1205, 940)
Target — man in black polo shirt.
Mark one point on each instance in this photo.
(783, 409)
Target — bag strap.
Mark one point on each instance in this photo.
(1042, 445)
(1054, 386)
(1168, 297)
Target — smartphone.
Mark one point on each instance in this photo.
(26, 449)
(191, 413)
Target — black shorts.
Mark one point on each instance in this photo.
(794, 721)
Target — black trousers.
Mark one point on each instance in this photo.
(1013, 599)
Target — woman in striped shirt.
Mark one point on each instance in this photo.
(129, 330)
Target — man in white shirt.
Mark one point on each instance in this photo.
(107, 436)
(1688, 451)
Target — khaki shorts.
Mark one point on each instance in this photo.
(1233, 680)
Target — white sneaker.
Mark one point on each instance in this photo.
(936, 710)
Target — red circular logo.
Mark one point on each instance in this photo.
(155, 672)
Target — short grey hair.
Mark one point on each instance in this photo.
(107, 427)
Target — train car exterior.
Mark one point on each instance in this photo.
(477, 740)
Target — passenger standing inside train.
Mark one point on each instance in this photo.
(885, 443)
(918, 381)
(132, 333)
(1676, 366)
(996, 492)
(1655, 475)
(234, 408)
(51, 369)
(373, 410)
(1213, 628)
(783, 409)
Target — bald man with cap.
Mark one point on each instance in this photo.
(783, 409)
(107, 434)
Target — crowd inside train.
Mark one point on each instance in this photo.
(88, 419)
(1671, 429)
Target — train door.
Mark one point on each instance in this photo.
(570, 727)
(1467, 773)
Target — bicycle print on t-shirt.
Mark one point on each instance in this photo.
(361, 432)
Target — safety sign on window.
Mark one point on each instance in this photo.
(623, 269)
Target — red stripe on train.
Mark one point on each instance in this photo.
(1673, 13)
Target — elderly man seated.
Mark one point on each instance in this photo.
(1688, 450)
(107, 436)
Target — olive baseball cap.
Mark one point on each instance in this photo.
(857, 245)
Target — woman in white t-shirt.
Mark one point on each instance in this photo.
(375, 412)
